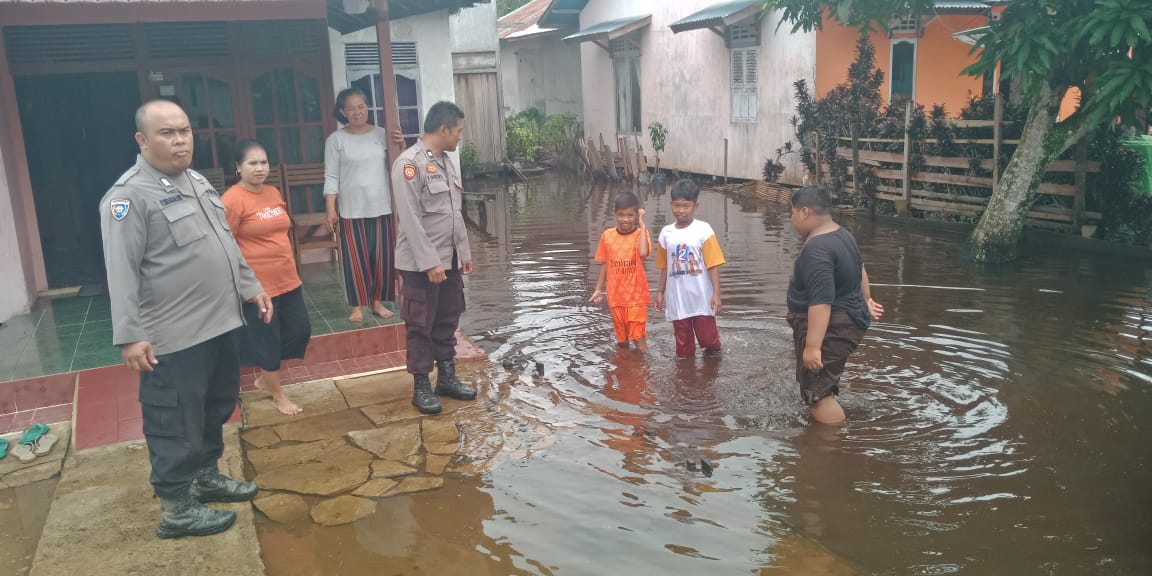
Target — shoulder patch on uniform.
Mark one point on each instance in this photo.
(431, 168)
(410, 171)
(119, 208)
(196, 175)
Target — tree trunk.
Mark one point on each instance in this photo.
(997, 237)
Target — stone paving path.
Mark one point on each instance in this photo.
(358, 440)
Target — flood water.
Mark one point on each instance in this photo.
(997, 417)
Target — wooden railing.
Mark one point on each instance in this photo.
(937, 188)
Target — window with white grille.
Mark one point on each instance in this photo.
(362, 62)
(745, 66)
(904, 25)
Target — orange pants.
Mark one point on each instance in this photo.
(630, 323)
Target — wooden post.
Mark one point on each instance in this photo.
(609, 159)
(1081, 185)
(388, 81)
(391, 111)
(642, 161)
(906, 202)
(855, 158)
(997, 136)
(725, 161)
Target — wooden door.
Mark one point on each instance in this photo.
(78, 137)
(478, 95)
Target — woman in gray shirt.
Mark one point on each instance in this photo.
(359, 205)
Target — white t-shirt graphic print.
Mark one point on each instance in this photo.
(688, 253)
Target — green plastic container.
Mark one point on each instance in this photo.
(1143, 145)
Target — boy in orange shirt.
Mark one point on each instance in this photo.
(622, 250)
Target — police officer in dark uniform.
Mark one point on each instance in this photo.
(432, 255)
(177, 283)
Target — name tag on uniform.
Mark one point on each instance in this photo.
(171, 200)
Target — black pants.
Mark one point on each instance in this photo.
(431, 314)
(186, 400)
(284, 338)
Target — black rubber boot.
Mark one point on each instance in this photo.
(422, 397)
(184, 516)
(212, 486)
(447, 384)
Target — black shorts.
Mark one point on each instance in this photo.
(286, 337)
(840, 341)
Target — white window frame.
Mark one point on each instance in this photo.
(744, 72)
(409, 70)
(904, 25)
(625, 55)
(892, 64)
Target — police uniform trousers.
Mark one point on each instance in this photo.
(431, 314)
(186, 400)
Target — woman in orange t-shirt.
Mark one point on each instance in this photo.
(259, 220)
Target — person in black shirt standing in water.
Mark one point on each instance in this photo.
(829, 302)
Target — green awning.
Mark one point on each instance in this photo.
(610, 30)
(722, 14)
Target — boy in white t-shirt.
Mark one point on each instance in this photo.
(689, 259)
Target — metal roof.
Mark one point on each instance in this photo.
(963, 6)
(345, 23)
(722, 14)
(610, 29)
(972, 35)
(523, 18)
(563, 14)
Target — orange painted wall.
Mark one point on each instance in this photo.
(940, 60)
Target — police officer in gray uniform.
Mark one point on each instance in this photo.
(432, 255)
(177, 282)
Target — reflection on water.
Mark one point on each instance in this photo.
(996, 429)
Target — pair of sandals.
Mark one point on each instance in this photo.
(36, 441)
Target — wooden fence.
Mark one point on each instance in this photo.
(936, 187)
(627, 162)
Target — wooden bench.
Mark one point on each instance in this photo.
(304, 194)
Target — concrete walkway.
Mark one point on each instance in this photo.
(103, 521)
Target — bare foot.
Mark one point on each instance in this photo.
(381, 310)
(279, 400)
(357, 315)
(284, 405)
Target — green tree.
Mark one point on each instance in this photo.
(505, 7)
(1101, 47)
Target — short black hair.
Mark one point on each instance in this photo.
(342, 99)
(442, 114)
(243, 146)
(813, 197)
(685, 189)
(627, 200)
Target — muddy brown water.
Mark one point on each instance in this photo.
(997, 417)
